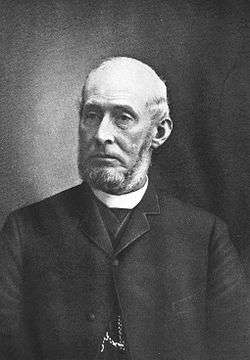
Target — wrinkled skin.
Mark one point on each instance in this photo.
(115, 133)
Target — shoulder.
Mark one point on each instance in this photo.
(202, 229)
(49, 209)
(186, 216)
(50, 201)
(181, 208)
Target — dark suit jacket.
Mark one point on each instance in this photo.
(178, 279)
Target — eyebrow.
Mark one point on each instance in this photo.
(91, 106)
(123, 107)
(127, 109)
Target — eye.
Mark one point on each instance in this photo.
(125, 117)
(91, 116)
(123, 120)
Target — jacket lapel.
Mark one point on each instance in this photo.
(138, 223)
(76, 209)
(92, 225)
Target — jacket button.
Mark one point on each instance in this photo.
(91, 316)
(115, 262)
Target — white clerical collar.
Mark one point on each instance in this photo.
(123, 201)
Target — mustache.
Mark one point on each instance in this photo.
(105, 155)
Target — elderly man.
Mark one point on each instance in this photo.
(114, 268)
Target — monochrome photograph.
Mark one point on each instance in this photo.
(124, 180)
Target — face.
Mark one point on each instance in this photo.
(115, 133)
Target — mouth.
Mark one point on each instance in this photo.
(105, 157)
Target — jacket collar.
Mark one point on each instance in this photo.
(139, 223)
(92, 224)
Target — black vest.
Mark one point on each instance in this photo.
(114, 346)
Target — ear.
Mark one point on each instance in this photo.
(161, 133)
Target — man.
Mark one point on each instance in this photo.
(113, 268)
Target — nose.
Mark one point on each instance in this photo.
(104, 133)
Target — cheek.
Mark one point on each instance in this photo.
(85, 135)
(133, 143)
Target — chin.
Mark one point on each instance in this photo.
(115, 181)
(106, 179)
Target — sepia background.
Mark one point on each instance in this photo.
(201, 49)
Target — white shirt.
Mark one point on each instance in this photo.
(123, 201)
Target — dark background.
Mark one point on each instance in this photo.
(201, 48)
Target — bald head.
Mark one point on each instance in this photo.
(123, 69)
(126, 73)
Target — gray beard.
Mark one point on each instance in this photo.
(113, 181)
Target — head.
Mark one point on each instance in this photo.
(124, 116)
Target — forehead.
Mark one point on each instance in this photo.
(119, 86)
